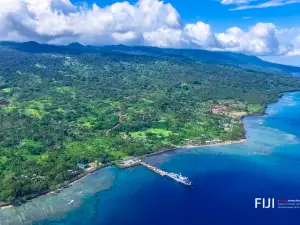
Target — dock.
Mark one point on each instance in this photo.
(174, 176)
(153, 168)
(135, 161)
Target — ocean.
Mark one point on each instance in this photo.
(227, 180)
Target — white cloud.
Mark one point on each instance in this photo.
(165, 37)
(296, 47)
(290, 38)
(148, 22)
(259, 40)
(200, 34)
(58, 19)
(236, 2)
(265, 4)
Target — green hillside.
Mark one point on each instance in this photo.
(63, 105)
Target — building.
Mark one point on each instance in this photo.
(82, 165)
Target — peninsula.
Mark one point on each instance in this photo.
(63, 107)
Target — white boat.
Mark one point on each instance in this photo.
(180, 178)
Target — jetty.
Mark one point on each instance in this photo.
(136, 161)
(177, 177)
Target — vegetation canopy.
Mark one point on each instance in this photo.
(63, 107)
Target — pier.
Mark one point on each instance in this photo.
(135, 161)
(154, 169)
(177, 177)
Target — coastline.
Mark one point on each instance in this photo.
(6, 207)
(211, 169)
(221, 143)
(242, 140)
(85, 173)
(175, 148)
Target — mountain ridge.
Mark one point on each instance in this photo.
(220, 57)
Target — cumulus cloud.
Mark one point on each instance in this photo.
(200, 34)
(148, 22)
(290, 38)
(259, 40)
(295, 50)
(59, 19)
(165, 37)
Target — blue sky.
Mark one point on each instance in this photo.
(266, 28)
(220, 17)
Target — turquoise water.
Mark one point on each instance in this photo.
(227, 179)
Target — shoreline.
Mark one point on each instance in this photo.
(175, 148)
(6, 207)
(242, 140)
(85, 173)
(190, 146)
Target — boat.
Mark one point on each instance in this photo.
(177, 177)
(180, 178)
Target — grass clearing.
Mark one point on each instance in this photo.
(152, 131)
(6, 90)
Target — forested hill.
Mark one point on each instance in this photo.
(63, 105)
(205, 56)
(221, 57)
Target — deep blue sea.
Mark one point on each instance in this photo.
(227, 179)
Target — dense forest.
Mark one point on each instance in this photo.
(58, 109)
